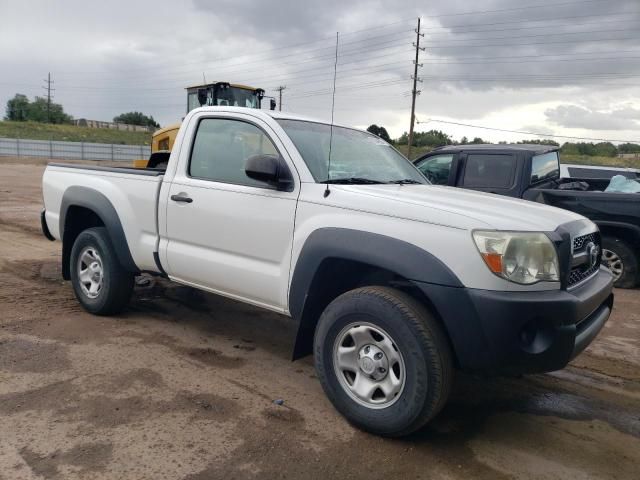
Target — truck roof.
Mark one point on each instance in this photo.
(269, 113)
(534, 148)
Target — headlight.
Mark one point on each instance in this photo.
(519, 257)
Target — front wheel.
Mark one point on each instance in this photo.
(383, 360)
(100, 283)
(619, 257)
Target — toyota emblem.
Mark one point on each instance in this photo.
(593, 251)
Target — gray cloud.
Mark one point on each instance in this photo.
(475, 65)
(573, 116)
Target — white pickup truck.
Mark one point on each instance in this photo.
(395, 283)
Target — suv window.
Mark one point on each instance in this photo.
(436, 168)
(489, 171)
(222, 147)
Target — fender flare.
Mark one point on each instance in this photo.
(98, 203)
(380, 251)
(634, 229)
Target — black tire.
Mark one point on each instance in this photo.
(628, 257)
(117, 283)
(421, 342)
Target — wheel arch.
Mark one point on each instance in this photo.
(624, 231)
(83, 208)
(335, 260)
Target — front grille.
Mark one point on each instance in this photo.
(577, 275)
(580, 242)
(585, 270)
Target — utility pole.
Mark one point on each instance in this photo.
(49, 90)
(415, 92)
(279, 90)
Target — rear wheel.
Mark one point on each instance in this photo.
(383, 360)
(619, 257)
(99, 282)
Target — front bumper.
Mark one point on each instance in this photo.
(522, 332)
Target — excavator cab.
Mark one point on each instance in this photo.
(216, 94)
(224, 94)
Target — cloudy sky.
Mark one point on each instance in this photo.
(555, 67)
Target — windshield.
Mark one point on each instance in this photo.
(237, 97)
(230, 97)
(356, 157)
(545, 166)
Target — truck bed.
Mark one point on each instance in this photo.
(132, 192)
(153, 172)
(594, 203)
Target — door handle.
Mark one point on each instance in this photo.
(181, 197)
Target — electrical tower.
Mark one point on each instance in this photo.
(49, 90)
(279, 90)
(415, 92)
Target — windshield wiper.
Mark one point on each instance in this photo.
(405, 181)
(352, 181)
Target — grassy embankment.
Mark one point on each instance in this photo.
(569, 159)
(71, 133)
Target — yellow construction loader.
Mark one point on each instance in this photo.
(217, 93)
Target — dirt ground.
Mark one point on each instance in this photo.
(182, 386)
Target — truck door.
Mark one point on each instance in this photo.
(226, 232)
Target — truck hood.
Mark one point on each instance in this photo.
(454, 207)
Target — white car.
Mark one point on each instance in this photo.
(395, 283)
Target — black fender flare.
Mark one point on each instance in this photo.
(98, 203)
(381, 251)
(633, 229)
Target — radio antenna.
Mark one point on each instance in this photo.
(333, 104)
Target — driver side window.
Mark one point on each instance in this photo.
(436, 168)
(222, 147)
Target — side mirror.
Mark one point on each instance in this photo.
(272, 104)
(271, 169)
(202, 96)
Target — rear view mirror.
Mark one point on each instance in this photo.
(272, 104)
(271, 169)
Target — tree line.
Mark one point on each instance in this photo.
(21, 109)
(437, 138)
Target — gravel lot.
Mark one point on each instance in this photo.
(182, 386)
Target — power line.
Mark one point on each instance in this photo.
(437, 120)
(359, 50)
(536, 27)
(532, 61)
(533, 43)
(271, 50)
(616, 30)
(528, 7)
(477, 59)
(383, 68)
(223, 59)
(259, 64)
(267, 79)
(528, 20)
(261, 69)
